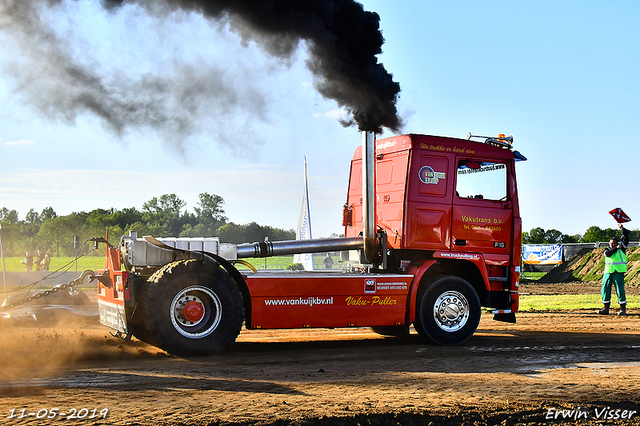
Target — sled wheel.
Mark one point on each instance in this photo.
(392, 330)
(448, 312)
(193, 308)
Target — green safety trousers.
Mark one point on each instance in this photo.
(608, 280)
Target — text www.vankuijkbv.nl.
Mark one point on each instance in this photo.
(307, 301)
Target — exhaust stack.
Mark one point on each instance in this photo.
(369, 197)
(280, 248)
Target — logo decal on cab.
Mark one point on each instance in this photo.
(429, 176)
(369, 286)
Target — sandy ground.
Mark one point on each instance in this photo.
(547, 366)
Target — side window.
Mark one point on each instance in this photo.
(481, 180)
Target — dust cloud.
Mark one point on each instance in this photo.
(51, 339)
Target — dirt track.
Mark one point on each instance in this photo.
(506, 374)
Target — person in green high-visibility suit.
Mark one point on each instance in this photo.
(615, 266)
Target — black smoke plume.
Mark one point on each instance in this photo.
(342, 38)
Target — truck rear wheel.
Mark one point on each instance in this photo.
(193, 308)
(448, 312)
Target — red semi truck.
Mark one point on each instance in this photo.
(432, 236)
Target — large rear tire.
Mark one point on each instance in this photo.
(448, 312)
(192, 308)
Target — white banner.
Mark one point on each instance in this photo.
(304, 226)
(542, 254)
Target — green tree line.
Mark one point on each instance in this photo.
(593, 234)
(163, 216)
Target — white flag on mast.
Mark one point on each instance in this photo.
(304, 226)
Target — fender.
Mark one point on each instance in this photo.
(475, 258)
(417, 272)
(420, 271)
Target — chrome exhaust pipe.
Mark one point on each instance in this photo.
(369, 197)
(282, 248)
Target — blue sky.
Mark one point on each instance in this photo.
(560, 76)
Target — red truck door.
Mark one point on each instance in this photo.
(428, 207)
(482, 219)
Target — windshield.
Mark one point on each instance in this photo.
(485, 180)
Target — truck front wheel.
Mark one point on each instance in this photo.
(193, 308)
(448, 312)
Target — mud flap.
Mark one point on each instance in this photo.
(510, 317)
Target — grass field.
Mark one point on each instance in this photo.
(568, 302)
(13, 263)
(531, 276)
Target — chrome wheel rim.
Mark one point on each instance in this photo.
(208, 316)
(451, 311)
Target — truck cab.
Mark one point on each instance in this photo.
(451, 204)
